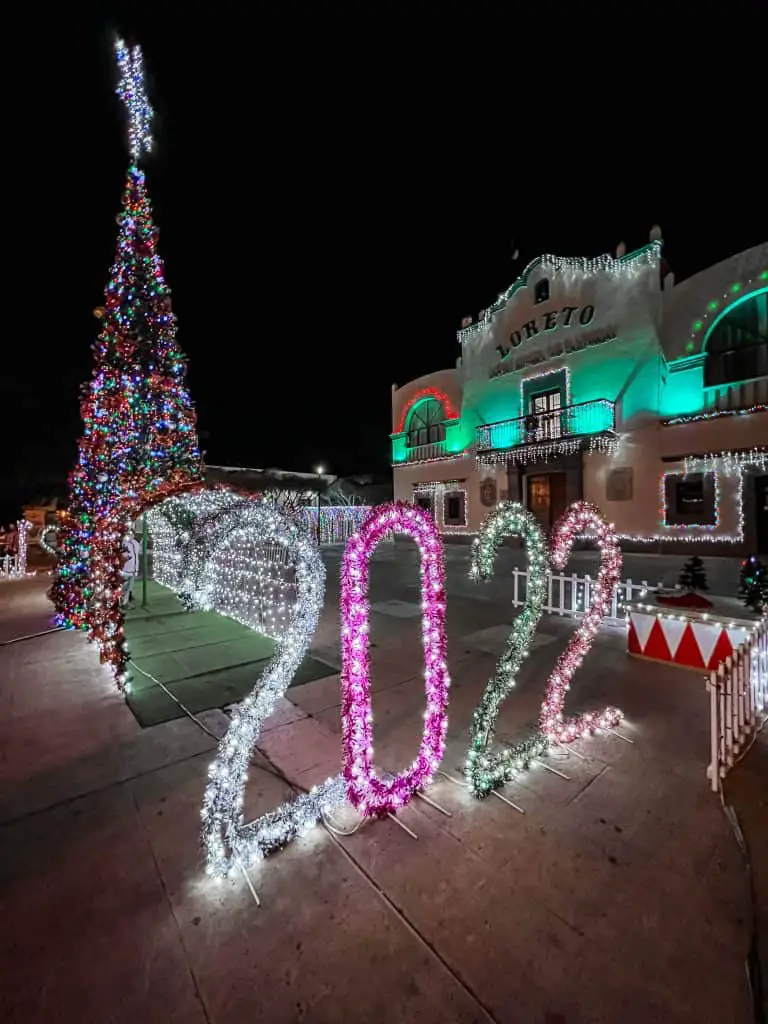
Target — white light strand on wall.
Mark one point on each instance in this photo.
(463, 454)
(627, 267)
(697, 538)
(728, 463)
(428, 486)
(606, 445)
(715, 414)
(540, 376)
(438, 491)
(687, 526)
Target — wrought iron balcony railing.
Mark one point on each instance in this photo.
(583, 420)
(427, 452)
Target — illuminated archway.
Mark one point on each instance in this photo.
(736, 342)
(424, 395)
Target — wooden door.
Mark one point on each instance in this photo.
(539, 498)
(557, 498)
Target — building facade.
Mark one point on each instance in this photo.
(602, 379)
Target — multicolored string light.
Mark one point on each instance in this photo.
(227, 840)
(139, 443)
(367, 792)
(486, 768)
(580, 518)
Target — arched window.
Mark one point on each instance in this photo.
(426, 423)
(541, 291)
(737, 342)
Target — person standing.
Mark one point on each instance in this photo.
(131, 551)
(12, 540)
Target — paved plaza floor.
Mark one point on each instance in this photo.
(619, 895)
(194, 661)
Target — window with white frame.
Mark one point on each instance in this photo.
(545, 408)
(737, 345)
(426, 424)
(455, 508)
(690, 499)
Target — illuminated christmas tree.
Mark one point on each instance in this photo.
(139, 441)
(751, 568)
(753, 585)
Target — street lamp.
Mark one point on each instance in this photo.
(319, 470)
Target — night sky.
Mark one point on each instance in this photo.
(336, 187)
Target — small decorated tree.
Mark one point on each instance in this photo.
(756, 590)
(750, 568)
(694, 575)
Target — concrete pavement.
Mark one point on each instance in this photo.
(619, 895)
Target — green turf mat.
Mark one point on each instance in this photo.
(151, 705)
(172, 666)
(136, 626)
(203, 634)
(205, 659)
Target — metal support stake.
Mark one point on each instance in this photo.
(621, 736)
(428, 800)
(496, 793)
(553, 770)
(402, 826)
(144, 560)
(248, 882)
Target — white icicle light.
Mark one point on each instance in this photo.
(229, 841)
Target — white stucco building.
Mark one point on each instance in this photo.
(602, 379)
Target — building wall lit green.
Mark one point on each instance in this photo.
(621, 384)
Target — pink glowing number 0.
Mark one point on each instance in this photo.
(367, 792)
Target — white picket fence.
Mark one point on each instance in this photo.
(337, 522)
(571, 595)
(738, 694)
(8, 567)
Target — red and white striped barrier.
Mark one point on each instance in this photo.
(686, 638)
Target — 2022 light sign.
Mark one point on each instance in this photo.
(230, 843)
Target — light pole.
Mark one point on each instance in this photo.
(144, 546)
(319, 470)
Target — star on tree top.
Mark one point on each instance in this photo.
(131, 89)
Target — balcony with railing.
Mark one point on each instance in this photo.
(430, 444)
(427, 452)
(527, 438)
(746, 394)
